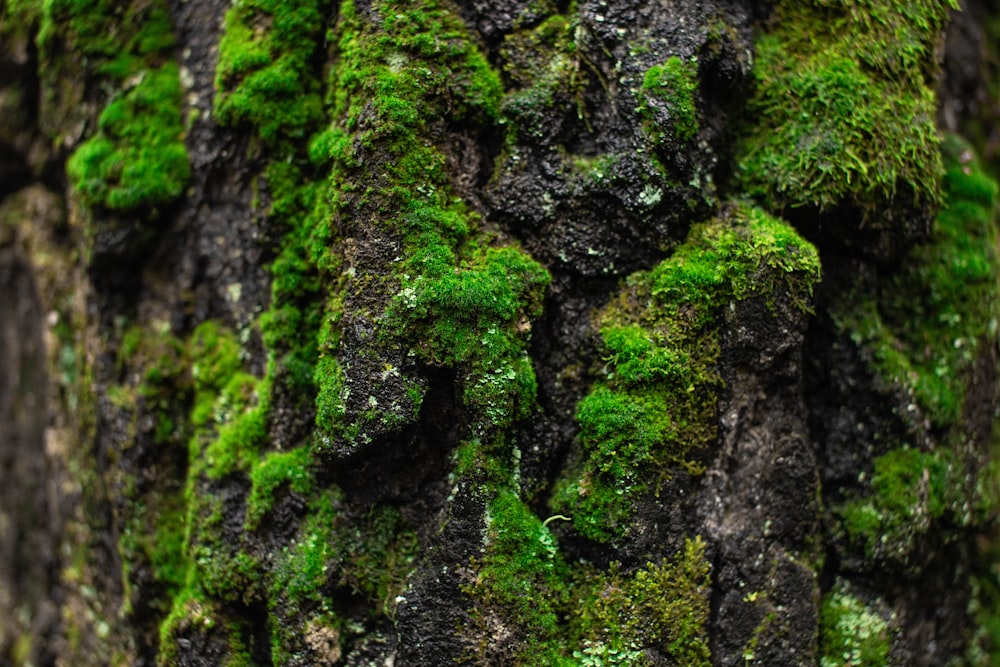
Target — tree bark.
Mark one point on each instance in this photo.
(498, 333)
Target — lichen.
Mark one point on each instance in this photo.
(653, 408)
(851, 633)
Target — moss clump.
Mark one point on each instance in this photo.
(456, 297)
(910, 491)
(369, 555)
(521, 554)
(663, 606)
(231, 406)
(264, 74)
(471, 317)
(844, 107)
(653, 411)
(851, 633)
(117, 39)
(667, 101)
(927, 324)
(193, 619)
(277, 469)
(577, 615)
(540, 84)
(137, 160)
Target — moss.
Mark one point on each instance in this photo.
(192, 618)
(910, 492)
(663, 606)
(844, 107)
(851, 633)
(521, 554)
(264, 76)
(653, 411)
(668, 94)
(577, 615)
(369, 555)
(470, 317)
(231, 406)
(925, 325)
(118, 39)
(540, 83)
(137, 160)
(277, 469)
(462, 299)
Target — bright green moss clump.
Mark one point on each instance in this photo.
(454, 296)
(844, 107)
(655, 404)
(264, 76)
(137, 159)
(668, 94)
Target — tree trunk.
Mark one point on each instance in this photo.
(498, 333)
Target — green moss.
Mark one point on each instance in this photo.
(923, 326)
(118, 39)
(910, 491)
(461, 299)
(851, 633)
(470, 316)
(544, 68)
(521, 554)
(264, 76)
(277, 468)
(668, 93)
(137, 159)
(193, 616)
(370, 555)
(844, 107)
(655, 404)
(577, 615)
(663, 606)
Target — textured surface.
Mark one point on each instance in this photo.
(498, 333)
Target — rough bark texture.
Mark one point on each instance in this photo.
(498, 333)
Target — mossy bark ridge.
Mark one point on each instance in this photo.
(368, 332)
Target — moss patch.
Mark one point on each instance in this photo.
(928, 322)
(560, 614)
(137, 159)
(667, 101)
(844, 107)
(264, 74)
(654, 408)
(456, 297)
(910, 491)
